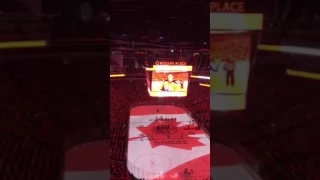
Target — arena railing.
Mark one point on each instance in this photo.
(139, 173)
(157, 176)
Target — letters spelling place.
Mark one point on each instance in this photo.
(231, 7)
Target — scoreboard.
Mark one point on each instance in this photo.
(168, 80)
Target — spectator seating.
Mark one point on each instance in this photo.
(280, 125)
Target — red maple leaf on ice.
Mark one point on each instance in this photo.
(167, 133)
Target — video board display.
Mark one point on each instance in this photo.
(170, 81)
(230, 67)
(233, 43)
(166, 81)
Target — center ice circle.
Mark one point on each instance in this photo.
(152, 163)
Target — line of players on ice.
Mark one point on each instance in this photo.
(166, 127)
(172, 120)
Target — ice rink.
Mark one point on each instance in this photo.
(170, 148)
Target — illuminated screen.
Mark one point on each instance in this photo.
(230, 66)
(233, 41)
(172, 82)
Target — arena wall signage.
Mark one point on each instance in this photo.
(171, 63)
(227, 7)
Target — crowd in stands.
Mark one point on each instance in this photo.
(281, 124)
(126, 93)
(238, 47)
(292, 125)
(292, 12)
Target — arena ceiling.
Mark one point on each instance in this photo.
(177, 20)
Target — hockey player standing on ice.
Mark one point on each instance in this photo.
(229, 67)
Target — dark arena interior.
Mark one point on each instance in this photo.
(61, 121)
(53, 92)
(49, 109)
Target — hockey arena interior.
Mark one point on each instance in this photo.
(266, 136)
(258, 143)
(158, 137)
(59, 121)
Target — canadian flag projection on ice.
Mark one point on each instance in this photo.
(166, 144)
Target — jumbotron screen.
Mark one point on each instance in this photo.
(166, 81)
(232, 49)
(230, 67)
